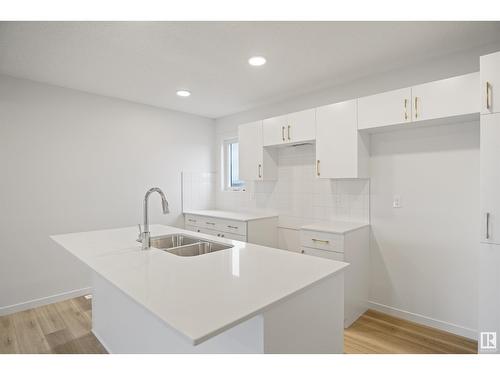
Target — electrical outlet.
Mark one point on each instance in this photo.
(396, 202)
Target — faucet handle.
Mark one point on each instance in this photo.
(139, 239)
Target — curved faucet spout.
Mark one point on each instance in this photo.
(145, 235)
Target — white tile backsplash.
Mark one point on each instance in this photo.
(299, 196)
(198, 190)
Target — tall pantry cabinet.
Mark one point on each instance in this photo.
(489, 252)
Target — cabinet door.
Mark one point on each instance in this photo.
(337, 141)
(489, 151)
(301, 126)
(275, 130)
(490, 83)
(250, 151)
(445, 98)
(323, 253)
(489, 293)
(388, 108)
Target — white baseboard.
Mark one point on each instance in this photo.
(425, 320)
(6, 310)
(101, 341)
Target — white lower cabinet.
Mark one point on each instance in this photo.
(323, 254)
(262, 231)
(351, 247)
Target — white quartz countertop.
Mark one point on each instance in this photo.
(199, 296)
(338, 227)
(232, 215)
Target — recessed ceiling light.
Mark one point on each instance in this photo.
(257, 60)
(183, 93)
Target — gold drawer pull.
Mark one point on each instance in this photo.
(317, 168)
(232, 227)
(326, 242)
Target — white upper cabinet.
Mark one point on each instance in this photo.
(275, 129)
(250, 151)
(490, 83)
(388, 108)
(341, 151)
(292, 128)
(490, 178)
(450, 97)
(302, 126)
(255, 162)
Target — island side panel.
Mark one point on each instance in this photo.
(311, 321)
(357, 254)
(126, 327)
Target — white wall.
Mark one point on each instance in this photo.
(424, 255)
(447, 260)
(72, 161)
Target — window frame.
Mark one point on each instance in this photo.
(226, 151)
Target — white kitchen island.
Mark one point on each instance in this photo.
(246, 299)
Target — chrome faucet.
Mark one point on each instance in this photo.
(144, 236)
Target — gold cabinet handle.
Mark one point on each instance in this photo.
(289, 138)
(283, 133)
(416, 107)
(406, 109)
(317, 168)
(326, 242)
(260, 170)
(488, 96)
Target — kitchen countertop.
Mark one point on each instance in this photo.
(337, 227)
(199, 296)
(232, 215)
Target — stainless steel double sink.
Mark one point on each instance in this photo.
(185, 245)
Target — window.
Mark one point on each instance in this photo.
(231, 170)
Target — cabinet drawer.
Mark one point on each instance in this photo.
(215, 233)
(216, 224)
(192, 220)
(323, 254)
(322, 240)
(202, 221)
(230, 226)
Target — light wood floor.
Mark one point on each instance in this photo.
(378, 333)
(64, 327)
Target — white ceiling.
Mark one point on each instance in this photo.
(147, 62)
